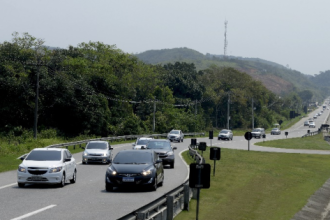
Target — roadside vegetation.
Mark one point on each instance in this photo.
(259, 185)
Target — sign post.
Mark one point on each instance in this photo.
(215, 154)
(211, 137)
(199, 177)
(286, 134)
(248, 137)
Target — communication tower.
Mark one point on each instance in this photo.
(225, 43)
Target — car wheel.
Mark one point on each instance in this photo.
(182, 140)
(74, 177)
(232, 138)
(62, 183)
(21, 185)
(108, 187)
(154, 185)
(172, 165)
(218, 139)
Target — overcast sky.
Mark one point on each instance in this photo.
(289, 32)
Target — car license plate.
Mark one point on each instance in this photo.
(36, 178)
(128, 179)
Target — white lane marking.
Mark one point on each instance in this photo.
(187, 177)
(33, 213)
(7, 185)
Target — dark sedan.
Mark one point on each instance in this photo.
(132, 168)
(164, 149)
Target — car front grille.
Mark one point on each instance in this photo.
(97, 155)
(129, 174)
(37, 170)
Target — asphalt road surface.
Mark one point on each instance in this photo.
(87, 198)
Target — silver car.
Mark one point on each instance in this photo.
(275, 131)
(225, 134)
(175, 135)
(97, 152)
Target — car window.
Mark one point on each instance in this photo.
(97, 145)
(44, 155)
(159, 145)
(130, 157)
(224, 132)
(256, 130)
(140, 142)
(174, 132)
(68, 155)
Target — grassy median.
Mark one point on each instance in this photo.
(259, 185)
(315, 142)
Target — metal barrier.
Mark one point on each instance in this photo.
(171, 204)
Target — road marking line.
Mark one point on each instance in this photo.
(33, 213)
(2, 187)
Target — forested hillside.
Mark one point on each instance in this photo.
(277, 78)
(98, 89)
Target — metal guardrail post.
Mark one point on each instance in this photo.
(141, 216)
(186, 195)
(170, 207)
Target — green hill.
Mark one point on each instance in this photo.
(277, 78)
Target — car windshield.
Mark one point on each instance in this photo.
(44, 155)
(223, 132)
(97, 145)
(274, 129)
(129, 157)
(256, 130)
(159, 145)
(174, 132)
(141, 142)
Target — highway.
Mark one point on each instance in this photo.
(87, 198)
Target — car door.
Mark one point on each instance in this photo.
(158, 167)
(69, 165)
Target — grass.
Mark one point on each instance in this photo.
(315, 142)
(259, 185)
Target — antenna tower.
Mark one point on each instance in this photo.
(226, 43)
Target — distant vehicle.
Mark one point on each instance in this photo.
(141, 142)
(312, 124)
(175, 135)
(275, 131)
(97, 152)
(225, 134)
(133, 168)
(315, 117)
(258, 132)
(306, 123)
(47, 166)
(164, 149)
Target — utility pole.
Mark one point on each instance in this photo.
(35, 129)
(225, 43)
(195, 114)
(252, 115)
(228, 117)
(154, 120)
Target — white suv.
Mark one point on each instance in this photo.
(258, 132)
(141, 142)
(175, 135)
(97, 152)
(47, 166)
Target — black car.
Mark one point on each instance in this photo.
(132, 168)
(164, 149)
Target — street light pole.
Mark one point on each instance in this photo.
(228, 117)
(252, 115)
(35, 126)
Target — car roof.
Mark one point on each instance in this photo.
(137, 151)
(50, 149)
(225, 130)
(159, 140)
(98, 142)
(145, 138)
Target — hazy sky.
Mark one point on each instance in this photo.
(288, 32)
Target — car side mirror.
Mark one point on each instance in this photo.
(159, 161)
(22, 157)
(143, 147)
(174, 148)
(110, 148)
(67, 159)
(133, 145)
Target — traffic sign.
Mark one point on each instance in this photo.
(248, 135)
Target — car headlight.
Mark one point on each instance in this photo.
(112, 171)
(85, 154)
(170, 153)
(55, 169)
(22, 169)
(147, 172)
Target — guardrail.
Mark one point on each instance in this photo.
(171, 204)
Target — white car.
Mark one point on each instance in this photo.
(47, 166)
(97, 152)
(141, 142)
(312, 124)
(175, 135)
(225, 134)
